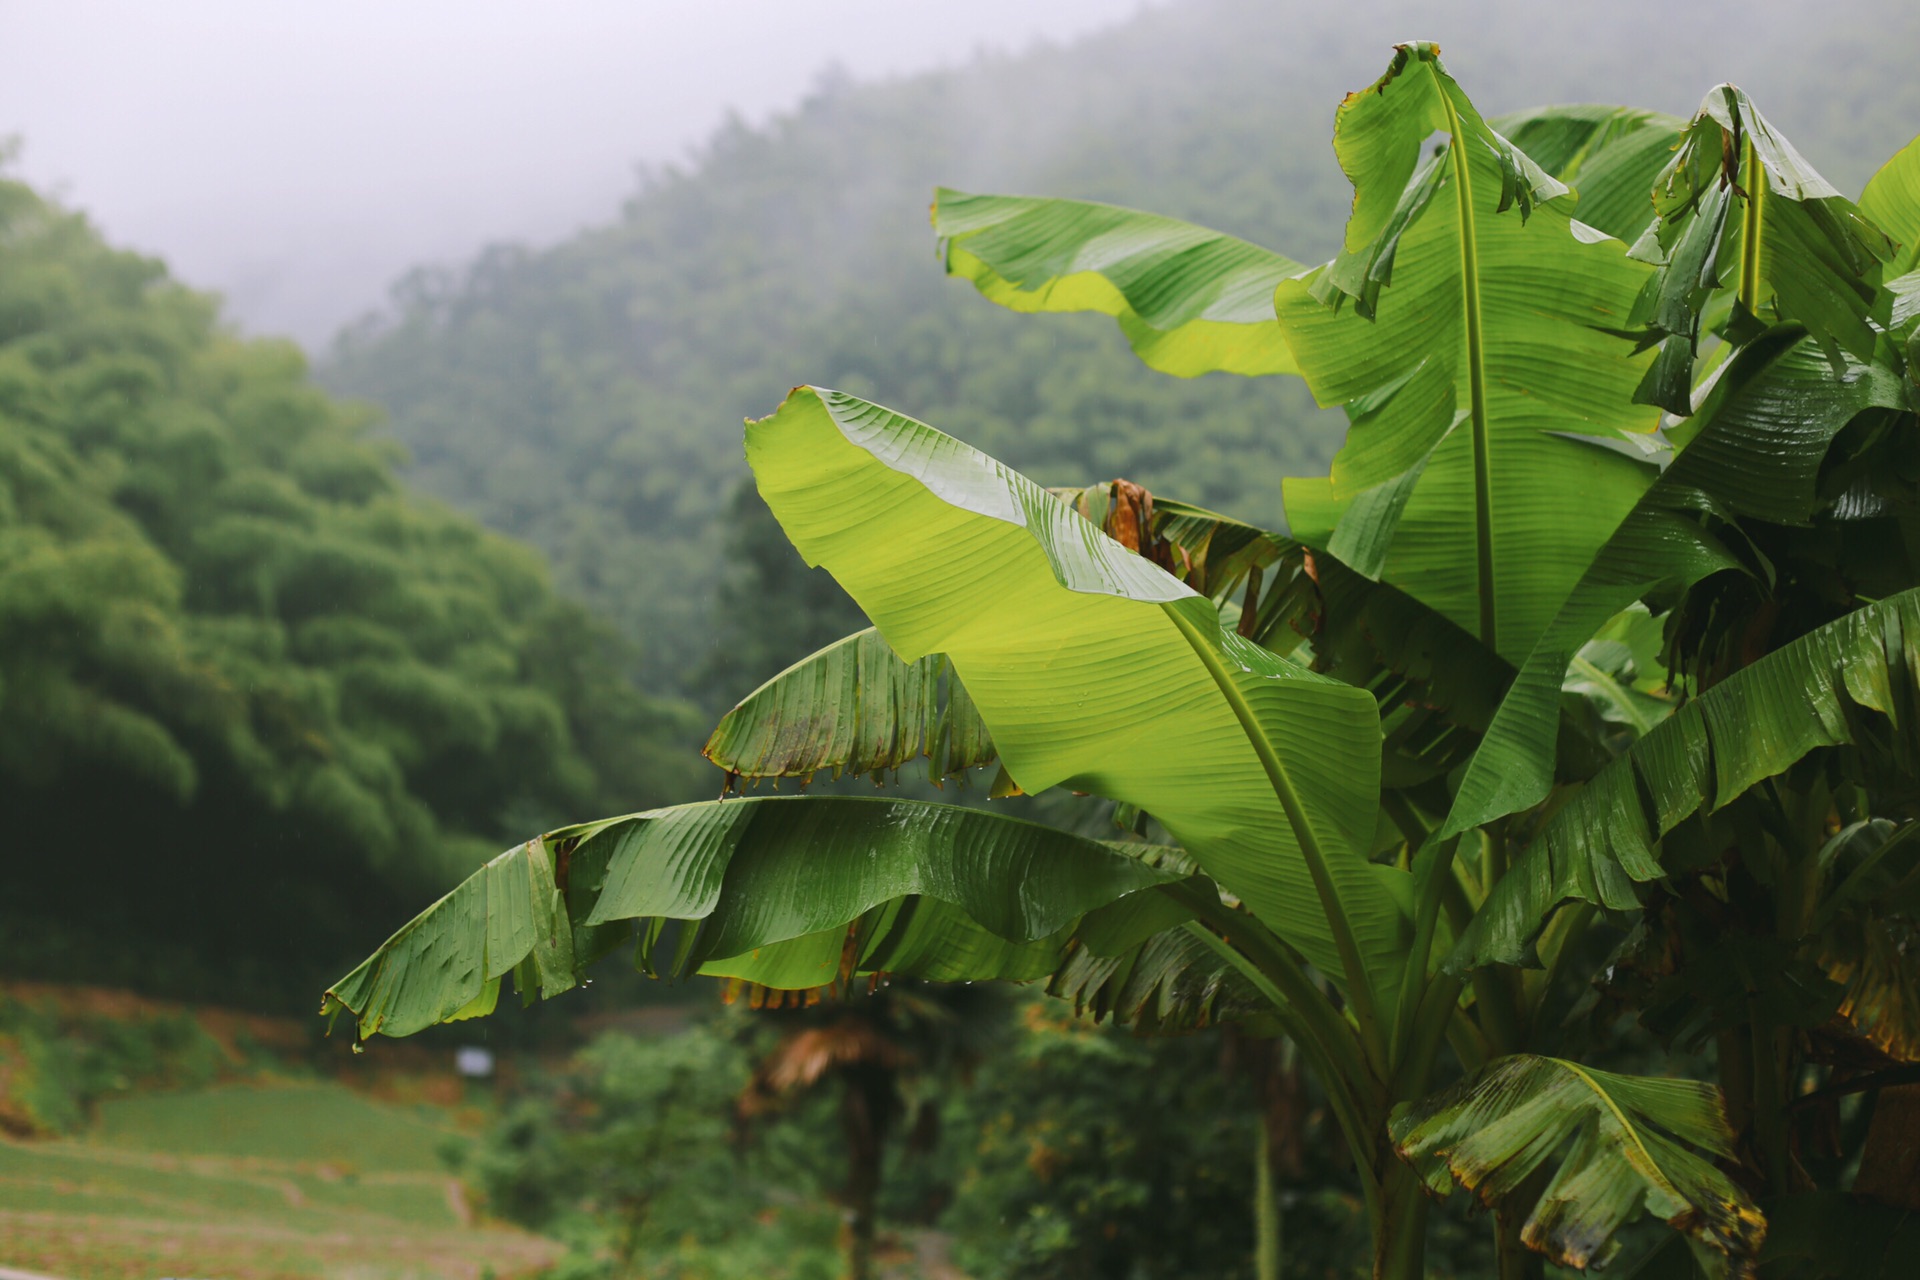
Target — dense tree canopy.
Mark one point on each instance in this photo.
(240, 667)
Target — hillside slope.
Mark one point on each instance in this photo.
(588, 397)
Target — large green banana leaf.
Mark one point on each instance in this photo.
(1892, 201)
(1753, 725)
(1095, 669)
(1609, 155)
(1468, 328)
(1190, 300)
(787, 892)
(853, 707)
(1736, 183)
(1624, 1145)
(1762, 434)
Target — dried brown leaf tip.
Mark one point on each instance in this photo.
(1130, 523)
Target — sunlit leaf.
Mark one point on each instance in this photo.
(1190, 300)
(1096, 670)
(1465, 330)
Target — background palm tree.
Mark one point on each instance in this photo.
(890, 1049)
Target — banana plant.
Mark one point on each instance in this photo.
(1592, 613)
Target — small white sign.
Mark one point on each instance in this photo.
(473, 1062)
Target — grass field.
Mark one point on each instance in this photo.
(308, 1181)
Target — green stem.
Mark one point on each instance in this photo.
(1769, 1105)
(1750, 231)
(1437, 870)
(1735, 1054)
(1400, 1251)
(1476, 375)
(1359, 991)
(1266, 1209)
(1324, 1057)
(1513, 1260)
(1559, 939)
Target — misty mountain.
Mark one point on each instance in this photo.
(588, 396)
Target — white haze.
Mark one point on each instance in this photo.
(297, 156)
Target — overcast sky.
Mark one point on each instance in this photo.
(298, 154)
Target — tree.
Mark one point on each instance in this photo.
(1575, 626)
(874, 1047)
(307, 693)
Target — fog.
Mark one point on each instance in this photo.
(297, 157)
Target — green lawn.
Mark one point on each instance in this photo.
(257, 1182)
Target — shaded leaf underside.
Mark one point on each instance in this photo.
(786, 892)
(853, 707)
(1753, 725)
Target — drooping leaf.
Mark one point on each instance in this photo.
(1465, 330)
(1170, 982)
(1609, 155)
(1814, 692)
(1738, 206)
(1096, 670)
(1190, 300)
(1622, 1145)
(853, 707)
(781, 891)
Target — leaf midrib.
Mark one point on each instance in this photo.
(1627, 1126)
(1359, 981)
(1476, 371)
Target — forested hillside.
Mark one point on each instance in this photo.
(255, 699)
(588, 397)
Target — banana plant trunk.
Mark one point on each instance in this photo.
(1400, 1243)
(1515, 1260)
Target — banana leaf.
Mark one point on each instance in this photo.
(1190, 300)
(1096, 670)
(1892, 201)
(1821, 690)
(1609, 155)
(1737, 197)
(1171, 982)
(786, 892)
(853, 707)
(1468, 328)
(1762, 435)
(1623, 1145)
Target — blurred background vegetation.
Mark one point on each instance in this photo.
(287, 647)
